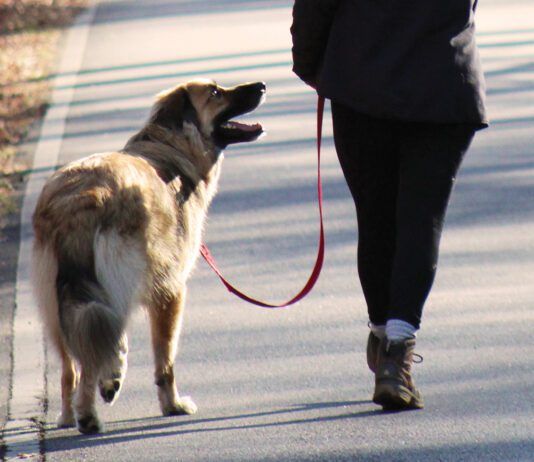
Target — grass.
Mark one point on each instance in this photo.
(29, 34)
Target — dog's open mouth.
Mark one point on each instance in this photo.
(243, 99)
(235, 132)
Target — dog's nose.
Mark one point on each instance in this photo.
(252, 87)
(260, 86)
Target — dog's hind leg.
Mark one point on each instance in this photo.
(69, 380)
(165, 323)
(44, 273)
(112, 374)
(92, 330)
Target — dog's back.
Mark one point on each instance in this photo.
(93, 224)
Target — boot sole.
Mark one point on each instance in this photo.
(396, 398)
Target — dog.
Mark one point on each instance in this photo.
(122, 229)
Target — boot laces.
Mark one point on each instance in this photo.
(418, 357)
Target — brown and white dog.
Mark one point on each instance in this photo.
(122, 229)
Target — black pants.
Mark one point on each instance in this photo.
(400, 175)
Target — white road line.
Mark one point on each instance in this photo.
(26, 404)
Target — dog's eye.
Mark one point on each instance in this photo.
(215, 93)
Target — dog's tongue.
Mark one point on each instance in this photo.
(244, 127)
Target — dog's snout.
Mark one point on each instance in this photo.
(252, 87)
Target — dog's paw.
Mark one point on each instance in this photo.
(109, 390)
(66, 420)
(89, 424)
(183, 406)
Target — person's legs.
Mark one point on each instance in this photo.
(430, 156)
(368, 158)
(400, 176)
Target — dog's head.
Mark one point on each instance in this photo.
(210, 108)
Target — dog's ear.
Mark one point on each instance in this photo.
(173, 108)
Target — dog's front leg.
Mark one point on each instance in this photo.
(165, 323)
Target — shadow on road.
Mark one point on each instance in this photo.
(488, 451)
(157, 427)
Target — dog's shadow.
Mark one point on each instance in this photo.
(121, 431)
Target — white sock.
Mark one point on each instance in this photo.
(379, 331)
(396, 329)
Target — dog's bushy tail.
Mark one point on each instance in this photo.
(96, 294)
(91, 326)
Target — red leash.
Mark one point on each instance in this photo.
(320, 252)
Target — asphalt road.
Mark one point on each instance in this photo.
(292, 385)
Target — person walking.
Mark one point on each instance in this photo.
(407, 95)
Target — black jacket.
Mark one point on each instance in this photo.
(413, 60)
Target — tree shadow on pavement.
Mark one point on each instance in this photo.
(491, 451)
(123, 10)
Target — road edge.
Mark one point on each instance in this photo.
(23, 433)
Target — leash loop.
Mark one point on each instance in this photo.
(314, 276)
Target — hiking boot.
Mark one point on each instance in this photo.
(373, 344)
(394, 386)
